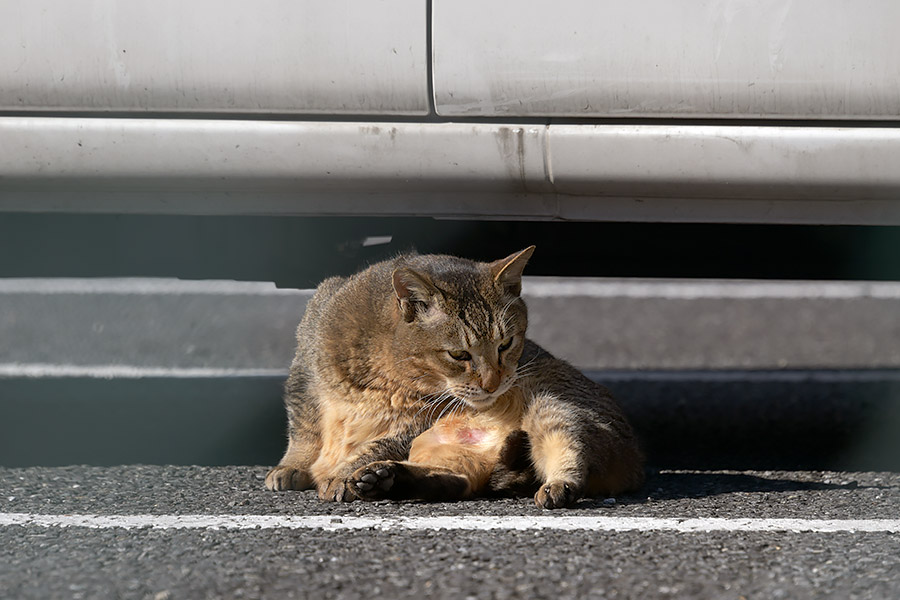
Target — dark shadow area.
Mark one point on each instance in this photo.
(840, 420)
(301, 251)
(679, 486)
(687, 420)
(213, 422)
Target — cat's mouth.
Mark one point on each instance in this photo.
(481, 402)
(485, 399)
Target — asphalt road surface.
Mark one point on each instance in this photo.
(166, 533)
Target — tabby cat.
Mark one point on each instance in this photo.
(414, 379)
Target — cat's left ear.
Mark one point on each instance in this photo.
(508, 271)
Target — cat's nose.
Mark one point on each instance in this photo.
(490, 381)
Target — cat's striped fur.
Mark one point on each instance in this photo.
(413, 379)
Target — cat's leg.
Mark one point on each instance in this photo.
(513, 474)
(403, 480)
(435, 470)
(583, 448)
(293, 472)
(337, 484)
(556, 451)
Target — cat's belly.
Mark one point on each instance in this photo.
(481, 432)
(468, 435)
(450, 436)
(460, 446)
(460, 432)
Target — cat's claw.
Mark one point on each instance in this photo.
(373, 481)
(556, 495)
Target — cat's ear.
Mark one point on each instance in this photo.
(508, 271)
(414, 291)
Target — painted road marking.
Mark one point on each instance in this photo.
(695, 289)
(460, 522)
(51, 370)
(42, 370)
(535, 287)
(140, 286)
(747, 376)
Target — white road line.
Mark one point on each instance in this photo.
(462, 522)
(46, 370)
(51, 370)
(534, 287)
(143, 286)
(737, 375)
(695, 289)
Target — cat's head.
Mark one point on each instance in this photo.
(460, 325)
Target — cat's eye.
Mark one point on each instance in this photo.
(459, 355)
(505, 345)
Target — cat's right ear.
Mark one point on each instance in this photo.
(413, 291)
(507, 272)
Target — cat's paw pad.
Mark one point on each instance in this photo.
(558, 494)
(337, 490)
(283, 478)
(374, 480)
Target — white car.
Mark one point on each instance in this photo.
(650, 110)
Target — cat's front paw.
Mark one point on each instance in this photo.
(558, 494)
(337, 490)
(283, 478)
(375, 480)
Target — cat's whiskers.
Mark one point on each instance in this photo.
(527, 364)
(446, 396)
(432, 401)
(427, 398)
(456, 407)
(451, 404)
(433, 395)
(523, 374)
(461, 409)
(525, 370)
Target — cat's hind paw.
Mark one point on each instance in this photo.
(375, 480)
(558, 494)
(283, 478)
